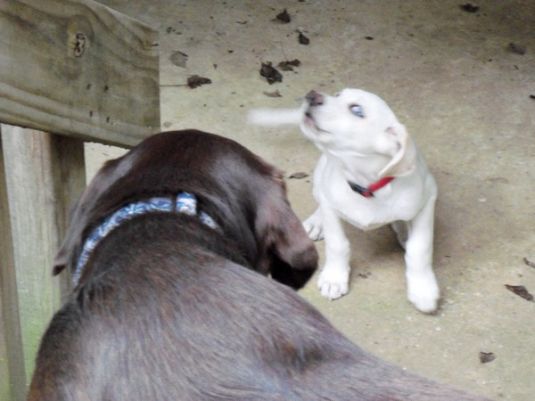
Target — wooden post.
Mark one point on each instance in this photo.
(43, 174)
(5, 376)
(12, 374)
(74, 68)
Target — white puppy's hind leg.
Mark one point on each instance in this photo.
(333, 280)
(314, 226)
(422, 287)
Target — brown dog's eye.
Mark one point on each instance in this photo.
(357, 110)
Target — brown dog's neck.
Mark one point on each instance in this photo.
(184, 202)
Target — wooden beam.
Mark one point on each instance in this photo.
(78, 68)
(44, 173)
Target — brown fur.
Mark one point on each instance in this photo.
(169, 309)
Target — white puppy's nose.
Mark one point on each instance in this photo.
(314, 98)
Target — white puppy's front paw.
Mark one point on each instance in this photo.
(314, 227)
(333, 282)
(423, 292)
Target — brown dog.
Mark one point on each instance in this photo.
(166, 304)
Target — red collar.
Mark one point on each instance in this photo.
(368, 191)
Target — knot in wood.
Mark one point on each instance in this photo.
(80, 42)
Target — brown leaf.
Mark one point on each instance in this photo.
(272, 94)
(520, 290)
(283, 17)
(289, 64)
(298, 175)
(517, 49)
(486, 357)
(469, 8)
(179, 58)
(526, 260)
(303, 39)
(195, 81)
(270, 73)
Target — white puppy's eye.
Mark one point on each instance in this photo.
(357, 110)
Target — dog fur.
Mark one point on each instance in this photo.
(170, 309)
(361, 142)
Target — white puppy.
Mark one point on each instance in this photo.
(370, 174)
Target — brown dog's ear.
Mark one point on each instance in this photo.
(286, 251)
(60, 261)
(72, 238)
(404, 161)
(80, 215)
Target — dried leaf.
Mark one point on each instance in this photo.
(526, 260)
(289, 64)
(469, 8)
(303, 39)
(520, 290)
(298, 175)
(486, 357)
(283, 17)
(270, 73)
(516, 48)
(179, 58)
(273, 94)
(195, 81)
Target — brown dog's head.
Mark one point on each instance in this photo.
(243, 194)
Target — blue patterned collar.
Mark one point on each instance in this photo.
(183, 203)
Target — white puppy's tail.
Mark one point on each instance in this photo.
(273, 117)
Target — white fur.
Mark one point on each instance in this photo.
(363, 150)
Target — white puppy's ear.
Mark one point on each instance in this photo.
(274, 117)
(404, 161)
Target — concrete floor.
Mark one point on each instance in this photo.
(465, 97)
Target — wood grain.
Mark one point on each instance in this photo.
(78, 68)
(12, 374)
(44, 173)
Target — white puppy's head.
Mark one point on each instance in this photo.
(359, 127)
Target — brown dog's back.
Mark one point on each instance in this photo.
(185, 330)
